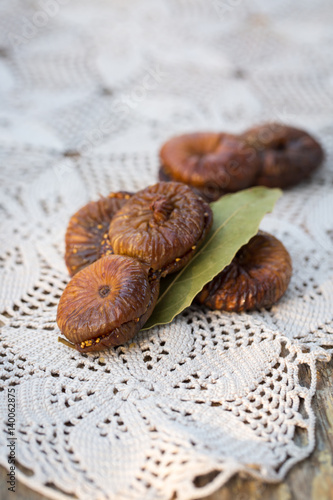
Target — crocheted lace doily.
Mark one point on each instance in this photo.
(91, 91)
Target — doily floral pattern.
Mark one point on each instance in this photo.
(92, 90)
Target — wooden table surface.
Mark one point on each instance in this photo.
(310, 479)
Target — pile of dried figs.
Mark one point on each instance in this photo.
(213, 163)
(119, 248)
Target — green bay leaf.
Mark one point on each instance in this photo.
(236, 219)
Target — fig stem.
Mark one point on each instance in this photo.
(65, 342)
(161, 208)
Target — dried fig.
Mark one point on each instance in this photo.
(87, 232)
(287, 154)
(211, 163)
(257, 277)
(161, 225)
(106, 303)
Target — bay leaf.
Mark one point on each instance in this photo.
(236, 219)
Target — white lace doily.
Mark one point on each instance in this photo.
(91, 90)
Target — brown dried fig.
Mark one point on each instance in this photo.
(162, 226)
(87, 232)
(257, 277)
(287, 154)
(106, 303)
(211, 163)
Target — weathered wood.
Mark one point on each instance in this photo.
(311, 479)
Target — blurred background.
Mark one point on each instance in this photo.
(115, 79)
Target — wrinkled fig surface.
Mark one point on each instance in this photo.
(161, 226)
(87, 232)
(272, 155)
(105, 304)
(257, 277)
(212, 163)
(287, 154)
